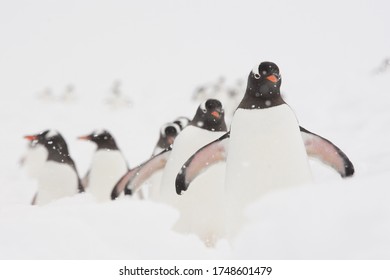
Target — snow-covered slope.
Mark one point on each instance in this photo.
(75, 51)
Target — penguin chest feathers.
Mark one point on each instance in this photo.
(55, 181)
(106, 169)
(266, 151)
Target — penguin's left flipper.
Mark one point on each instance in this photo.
(134, 178)
(200, 161)
(321, 148)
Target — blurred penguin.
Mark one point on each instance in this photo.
(55, 170)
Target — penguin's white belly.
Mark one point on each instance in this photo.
(106, 169)
(266, 152)
(57, 180)
(186, 144)
(34, 160)
(153, 185)
(201, 207)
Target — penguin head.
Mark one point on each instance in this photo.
(182, 122)
(53, 141)
(102, 138)
(265, 79)
(169, 132)
(210, 115)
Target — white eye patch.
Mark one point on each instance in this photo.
(183, 121)
(98, 131)
(202, 106)
(51, 133)
(255, 70)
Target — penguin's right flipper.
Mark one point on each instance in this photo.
(205, 157)
(327, 152)
(134, 178)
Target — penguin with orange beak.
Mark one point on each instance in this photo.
(57, 175)
(265, 150)
(107, 166)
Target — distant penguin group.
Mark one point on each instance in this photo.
(200, 166)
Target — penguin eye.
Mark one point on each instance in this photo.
(257, 76)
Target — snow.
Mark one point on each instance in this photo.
(328, 54)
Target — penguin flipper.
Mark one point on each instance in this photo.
(122, 183)
(321, 148)
(147, 169)
(205, 157)
(134, 178)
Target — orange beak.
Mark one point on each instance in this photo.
(30, 137)
(272, 78)
(86, 137)
(216, 114)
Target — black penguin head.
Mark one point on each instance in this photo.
(210, 115)
(265, 79)
(168, 133)
(55, 144)
(263, 89)
(102, 138)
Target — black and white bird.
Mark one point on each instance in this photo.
(55, 170)
(107, 166)
(208, 124)
(266, 149)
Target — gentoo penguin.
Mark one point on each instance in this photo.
(57, 176)
(266, 147)
(206, 221)
(167, 135)
(107, 166)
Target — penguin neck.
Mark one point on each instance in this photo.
(59, 153)
(261, 99)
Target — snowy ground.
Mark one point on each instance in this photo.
(329, 54)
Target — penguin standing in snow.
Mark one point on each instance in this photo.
(57, 175)
(107, 166)
(200, 210)
(265, 150)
